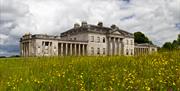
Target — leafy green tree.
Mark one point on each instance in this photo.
(178, 39)
(168, 46)
(141, 38)
(172, 46)
(175, 44)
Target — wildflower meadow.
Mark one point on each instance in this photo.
(155, 72)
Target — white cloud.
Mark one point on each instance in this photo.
(3, 38)
(156, 18)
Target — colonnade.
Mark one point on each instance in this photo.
(140, 51)
(25, 49)
(115, 46)
(72, 49)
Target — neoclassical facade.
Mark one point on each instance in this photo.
(81, 40)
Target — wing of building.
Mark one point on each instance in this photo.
(84, 39)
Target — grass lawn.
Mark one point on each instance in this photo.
(156, 72)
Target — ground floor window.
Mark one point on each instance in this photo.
(127, 52)
(104, 51)
(131, 51)
(98, 50)
(92, 51)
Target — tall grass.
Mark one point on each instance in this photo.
(157, 72)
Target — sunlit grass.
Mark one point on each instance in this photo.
(157, 72)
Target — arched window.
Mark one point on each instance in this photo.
(104, 40)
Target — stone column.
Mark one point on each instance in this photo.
(79, 49)
(83, 50)
(66, 49)
(110, 46)
(23, 49)
(117, 46)
(75, 51)
(62, 49)
(114, 49)
(30, 48)
(71, 49)
(120, 46)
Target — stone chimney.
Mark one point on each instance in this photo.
(76, 25)
(84, 24)
(113, 26)
(100, 24)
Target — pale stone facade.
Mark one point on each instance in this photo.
(81, 40)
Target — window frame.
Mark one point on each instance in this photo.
(98, 51)
(104, 51)
(98, 39)
(104, 40)
(92, 50)
(91, 38)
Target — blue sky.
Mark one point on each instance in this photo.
(158, 19)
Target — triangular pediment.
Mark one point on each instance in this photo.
(116, 32)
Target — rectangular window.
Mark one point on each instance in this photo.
(127, 52)
(104, 51)
(131, 42)
(98, 50)
(42, 43)
(92, 51)
(127, 42)
(74, 38)
(92, 38)
(46, 43)
(98, 39)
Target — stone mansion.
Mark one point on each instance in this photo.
(84, 39)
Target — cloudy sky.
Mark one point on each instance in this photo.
(158, 19)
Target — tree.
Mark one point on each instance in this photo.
(172, 46)
(178, 39)
(175, 44)
(141, 38)
(168, 46)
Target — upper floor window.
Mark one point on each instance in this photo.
(74, 38)
(46, 43)
(98, 50)
(92, 39)
(98, 39)
(127, 42)
(132, 42)
(104, 40)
